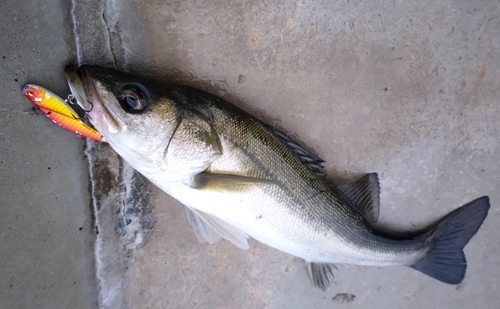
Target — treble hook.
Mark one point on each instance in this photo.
(71, 99)
(91, 107)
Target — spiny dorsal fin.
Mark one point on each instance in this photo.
(321, 274)
(313, 162)
(211, 229)
(364, 194)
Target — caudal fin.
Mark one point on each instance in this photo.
(445, 260)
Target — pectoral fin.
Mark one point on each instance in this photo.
(210, 229)
(227, 182)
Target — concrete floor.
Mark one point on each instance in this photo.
(46, 228)
(405, 89)
(409, 90)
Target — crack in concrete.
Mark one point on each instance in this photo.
(75, 34)
(119, 197)
(109, 30)
(89, 145)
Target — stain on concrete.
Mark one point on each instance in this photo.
(344, 298)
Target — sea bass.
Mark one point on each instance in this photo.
(240, 178)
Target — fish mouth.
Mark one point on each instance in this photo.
(76, 87)
(83, 87)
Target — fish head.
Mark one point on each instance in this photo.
(139, 119)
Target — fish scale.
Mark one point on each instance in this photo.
(251, 140)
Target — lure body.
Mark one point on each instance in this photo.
(60, 112)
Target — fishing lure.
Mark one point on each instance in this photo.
(60, 112)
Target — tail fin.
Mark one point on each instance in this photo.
(445, 260)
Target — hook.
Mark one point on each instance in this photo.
(91, 107)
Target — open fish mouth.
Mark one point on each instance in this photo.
(76, 87)
(83, 87)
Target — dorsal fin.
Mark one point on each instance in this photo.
(364, 194)
(312, 161)
(321, 274)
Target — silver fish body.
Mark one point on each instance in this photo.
(239, 177)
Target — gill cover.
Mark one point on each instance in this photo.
(194, 144)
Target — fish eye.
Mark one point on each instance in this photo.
(133, 99)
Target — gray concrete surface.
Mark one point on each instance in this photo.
(409, 90)
(46, 235)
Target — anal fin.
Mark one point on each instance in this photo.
(321, 274)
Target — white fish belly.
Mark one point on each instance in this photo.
(265, 220)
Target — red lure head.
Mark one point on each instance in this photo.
(34, 94)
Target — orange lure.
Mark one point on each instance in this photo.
(59, 111)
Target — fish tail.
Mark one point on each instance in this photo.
(445, 259)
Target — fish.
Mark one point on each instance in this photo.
(60, 112)
(239, 177)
